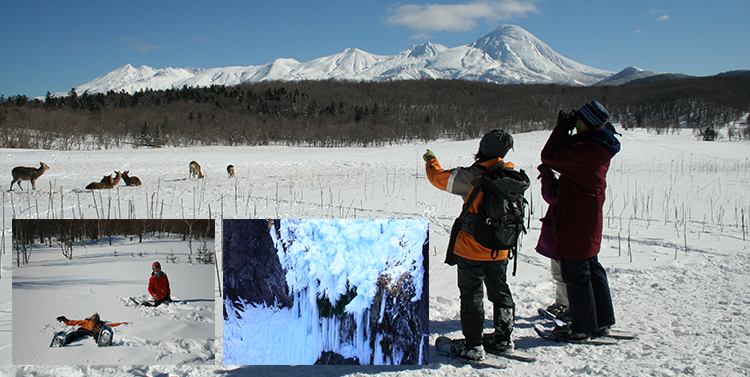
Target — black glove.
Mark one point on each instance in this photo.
(567, 119)
(61, 318)
(542, 168)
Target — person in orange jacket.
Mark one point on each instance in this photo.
(158, 285)
(90, 326)
(477, 264)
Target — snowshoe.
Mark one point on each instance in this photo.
(58, 340)
(459, 348)
(556, 312)
(562, 334)
(106, 334)
(609, 332)
(447, 347)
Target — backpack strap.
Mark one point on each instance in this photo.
(450, 257)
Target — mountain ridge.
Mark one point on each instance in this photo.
(506, 55)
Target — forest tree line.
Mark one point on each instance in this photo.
(342, 113)
(67, 233)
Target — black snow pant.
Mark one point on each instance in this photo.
(80, 333)
(471, 275)
(165, 299)
(588, 294)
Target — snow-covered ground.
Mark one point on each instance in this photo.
(675, 246)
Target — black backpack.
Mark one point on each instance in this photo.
(498, 223)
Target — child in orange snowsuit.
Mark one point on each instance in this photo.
(90, 326)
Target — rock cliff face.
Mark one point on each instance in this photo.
(252, 271)
(400, 323)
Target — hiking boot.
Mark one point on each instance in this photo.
(603, 330)
(564, 315)
(565, 332)
(472, 353)
(555, 309)
(497, 343)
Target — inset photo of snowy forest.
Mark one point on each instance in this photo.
(326, 292)
(75, 268)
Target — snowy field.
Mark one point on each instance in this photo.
(676, 242)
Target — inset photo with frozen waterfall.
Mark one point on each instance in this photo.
(325, 292)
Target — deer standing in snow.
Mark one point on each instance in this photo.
(22, 173)
(195, 170)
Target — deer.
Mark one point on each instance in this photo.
(22, 173)
(106, 183)
(115, 180)
(130, 181)
(230, 171)
(195, 170)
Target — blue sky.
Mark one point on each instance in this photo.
(57, 45)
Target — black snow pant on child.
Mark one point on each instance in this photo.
(588, 294)
(471, 276)
(80, 333)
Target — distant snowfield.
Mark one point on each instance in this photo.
(675, 247)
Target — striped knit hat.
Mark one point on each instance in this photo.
(593, 114)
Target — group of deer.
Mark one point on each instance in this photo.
(109, 182)
(23, 173)
(195, 170)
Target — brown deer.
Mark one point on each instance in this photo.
(195, 170)
(22, 173)
(106, 183)
(115, 180)
(230, 170)
(130, 181)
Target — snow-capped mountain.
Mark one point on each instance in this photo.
(506, 55)
(626, 75)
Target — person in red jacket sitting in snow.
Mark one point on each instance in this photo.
(158, 285)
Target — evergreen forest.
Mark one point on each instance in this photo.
(343, 113)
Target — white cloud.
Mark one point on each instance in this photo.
(661, 13)
(421, 36)
(655, 11)
(459, 17)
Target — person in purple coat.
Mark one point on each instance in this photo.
(582, 159)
